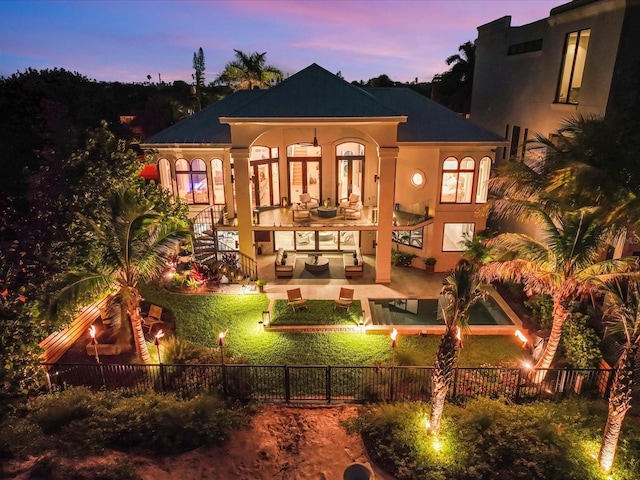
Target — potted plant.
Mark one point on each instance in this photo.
(430, 265)
(261, 283)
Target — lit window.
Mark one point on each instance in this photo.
(455, 236)
(484, 172)
(575, 54)
(457, 180)
(217, 175)
(192, 181)
(417, 178)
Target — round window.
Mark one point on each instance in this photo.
(417, 178)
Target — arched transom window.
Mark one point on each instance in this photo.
(191, 179)
(457, 180)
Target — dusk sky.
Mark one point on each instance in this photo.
(126, 40)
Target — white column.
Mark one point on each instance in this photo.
(243, 199)
(386, 198)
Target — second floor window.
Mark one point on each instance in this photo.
(573, 61)
(457, 180)
(191, 180)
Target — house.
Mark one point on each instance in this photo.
(581, 60)
(384, 168)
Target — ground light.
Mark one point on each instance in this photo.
(159, 335)
(221, 336)
(94, 341)
(266, 319)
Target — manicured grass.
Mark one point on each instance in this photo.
(199, 319)
(318, 312)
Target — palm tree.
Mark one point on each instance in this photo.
(623, 315)
(460, 292)
(563, 264)
(137, 242)
(459, 78)
(249, 71)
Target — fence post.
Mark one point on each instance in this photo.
(328, 383)
(224, 379)
(163, 385)
(391, 384)
(519, 379)
(455, 383)
(287, 386)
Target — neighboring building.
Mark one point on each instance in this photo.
(418, 170)
(581, 60)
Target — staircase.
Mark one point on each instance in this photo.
(207, 250)
(380, 314)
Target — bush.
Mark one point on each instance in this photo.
(149, 422)
(580, 343)
(488, 439)
(541, 307)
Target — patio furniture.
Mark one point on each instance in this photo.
(284, 269)
(153, 318)
(352, 201)
(308, 201)
(345, 299)
(351, 207)
(353, 264)
(316, 263)
(296, 302)
(301, 213)
(327, 212)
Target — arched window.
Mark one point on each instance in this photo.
(217, 176)
(349, 170)
(192, 181)
(304, 171)
(484, 172)
(457, 180)
(164, 169)
(264, 164)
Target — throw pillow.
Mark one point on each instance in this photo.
(355, 261)
(283, 262)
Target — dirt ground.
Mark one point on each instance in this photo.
(282, 443)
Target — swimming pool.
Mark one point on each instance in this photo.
(418, 311)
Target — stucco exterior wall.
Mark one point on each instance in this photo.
(521, 89)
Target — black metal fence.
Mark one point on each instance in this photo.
(284, 383)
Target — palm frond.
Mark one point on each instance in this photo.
(77, 286)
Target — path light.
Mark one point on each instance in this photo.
(393, 335)
(266, 318)
(94, 341)
(527, 365)
(459, 337)
(159, 335)
(221, 336)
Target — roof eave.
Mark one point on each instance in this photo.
(313, 120)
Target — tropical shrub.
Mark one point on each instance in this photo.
(488, 439)
(541, 307)
(580, 344)
(149, 423)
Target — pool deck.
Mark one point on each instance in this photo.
(406, 282)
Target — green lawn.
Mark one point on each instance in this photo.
(199, 319)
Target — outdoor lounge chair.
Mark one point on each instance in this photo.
(154, 317)
(296, 302)
(345, 299)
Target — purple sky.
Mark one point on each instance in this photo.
(126, 40)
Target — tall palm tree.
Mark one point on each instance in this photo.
(460, 75)
(623, 315)
(249, 71)
(563, 264)
(460, 292)
(136, 243)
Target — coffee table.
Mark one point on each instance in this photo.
(316, 264)
(327, 212)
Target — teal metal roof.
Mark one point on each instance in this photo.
(428, 121)
(316, 93)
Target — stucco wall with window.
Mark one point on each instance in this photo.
(521, 89)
